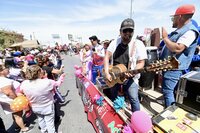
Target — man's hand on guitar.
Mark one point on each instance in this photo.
(129, 75)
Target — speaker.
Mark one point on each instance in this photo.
(147, 78)
(188, 92)
(155, 37)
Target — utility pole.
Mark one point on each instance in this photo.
(30, 37)
(33, 36)
(131, 10)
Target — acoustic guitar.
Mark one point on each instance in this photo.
(118, 72)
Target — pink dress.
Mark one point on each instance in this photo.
(86, 57)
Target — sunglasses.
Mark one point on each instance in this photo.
(173, 17)
(127, 30)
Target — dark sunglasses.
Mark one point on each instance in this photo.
(173, 17)
(127, 30)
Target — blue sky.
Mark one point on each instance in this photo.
(84, 18)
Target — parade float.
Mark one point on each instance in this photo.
(108, 116)
(115, 117)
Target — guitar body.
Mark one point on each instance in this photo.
(120, 68)
(118, 76)
(114, 70)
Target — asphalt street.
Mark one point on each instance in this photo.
(74, 119)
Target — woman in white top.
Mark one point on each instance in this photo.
(7, 94)
(40, 95)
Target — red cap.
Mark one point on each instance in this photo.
(185, 9)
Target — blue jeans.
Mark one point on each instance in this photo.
(131, 89)
(169, 84)
(95, 70)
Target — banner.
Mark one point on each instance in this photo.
(55, 36)
(103, 118)
(70, 37)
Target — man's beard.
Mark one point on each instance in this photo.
(127, 38)
(174, 25)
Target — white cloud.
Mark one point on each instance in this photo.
(102, 18)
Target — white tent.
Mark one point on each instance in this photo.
(27, 44)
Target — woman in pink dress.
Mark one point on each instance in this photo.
(86, 60)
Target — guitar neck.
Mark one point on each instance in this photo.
(137, 71)
(133, 72)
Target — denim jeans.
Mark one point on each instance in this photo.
(95, 70)
(169, 84)
(131, 90)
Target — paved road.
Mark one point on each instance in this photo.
(74, 120)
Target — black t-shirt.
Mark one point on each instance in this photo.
(121, 55)
(48, 71)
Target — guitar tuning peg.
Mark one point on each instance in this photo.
(169, 57)
(157, 72)
(158, 69)
(170, 67)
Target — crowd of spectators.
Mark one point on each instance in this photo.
(36, 74)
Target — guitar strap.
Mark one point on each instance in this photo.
(131, 54)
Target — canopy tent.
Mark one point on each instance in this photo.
(27, 44)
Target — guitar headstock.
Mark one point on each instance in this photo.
(164, 65)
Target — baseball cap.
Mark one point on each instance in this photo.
(93, 38)
(127, 24)
(185, 9)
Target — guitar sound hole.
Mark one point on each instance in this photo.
(122, 78)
